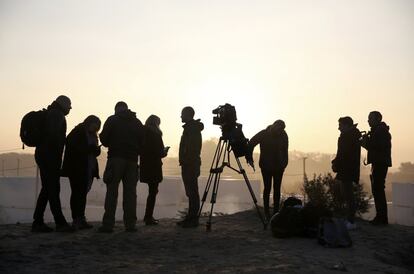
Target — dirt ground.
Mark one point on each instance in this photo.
(236, 244)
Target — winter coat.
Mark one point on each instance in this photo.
(379, 145)
(273, 149)
(348, 157)
(190, 144)
(152, 153)
(77, 152)
(49, 151)
(122, 133)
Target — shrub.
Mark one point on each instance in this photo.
(324, 191)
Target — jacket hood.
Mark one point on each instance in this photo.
(383, 126)
(353, 131)
(80, 126)
(56, 106)
(275, 132)
(128, 114)
(194, 125)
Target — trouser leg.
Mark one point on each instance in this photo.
(113, 174)
(51, 189)
(379, 173)
(348, 196)
(277, 182)
(78, 197)
(267, 182)
(83, 198)
(40, 205)
(75, 197)
(130, 180)
(190, 179)
(152, 194)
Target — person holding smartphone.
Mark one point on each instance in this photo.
(81, 166)
(151, 164)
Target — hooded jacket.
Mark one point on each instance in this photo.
(348, 157)
(190, 144)
(122, 134)
(77, 152)
(50, 149)
(273, 149)
(379, 145)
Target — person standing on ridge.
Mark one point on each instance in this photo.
(48, 155)
(190, 162)
(378, 144)
(122, 134)
(151, 164)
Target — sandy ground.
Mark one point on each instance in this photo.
(236, 244)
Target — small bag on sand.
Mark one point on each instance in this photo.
(333, 233)
(288, 222)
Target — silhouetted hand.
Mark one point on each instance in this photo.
(250, 162)
(94, 149)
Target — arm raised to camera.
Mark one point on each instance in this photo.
(254, 141)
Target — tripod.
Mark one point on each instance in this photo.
(221, 159)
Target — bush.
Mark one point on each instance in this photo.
(324, 191)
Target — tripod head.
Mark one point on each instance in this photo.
(232, 131)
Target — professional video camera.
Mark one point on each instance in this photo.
(226, 118)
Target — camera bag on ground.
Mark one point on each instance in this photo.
(333, 233)
(288, 222)
(292, 201)
(31, 128)
(312, 215)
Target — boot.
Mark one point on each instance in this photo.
(193, 222)
(41, 228)
(150, 221)
(66, 228)
(84, 224)
(182, 221)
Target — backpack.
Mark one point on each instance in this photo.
(312, 216)
(292, 201)
(32, 127)
(333, 233)
(288, 222)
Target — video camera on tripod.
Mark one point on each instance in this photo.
(231, 131)
(232, 140)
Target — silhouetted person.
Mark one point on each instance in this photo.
(151, 164)
(122, 133)
(48, 157)
(378, 144)
(347, 164)
(190, 161)
(81, 166)
(274, 145)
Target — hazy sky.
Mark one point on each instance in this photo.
(307, 62)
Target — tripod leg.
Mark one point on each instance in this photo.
(214, 163)
(249, 186)
(217, 175)
(206, 190)
(213, 199)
